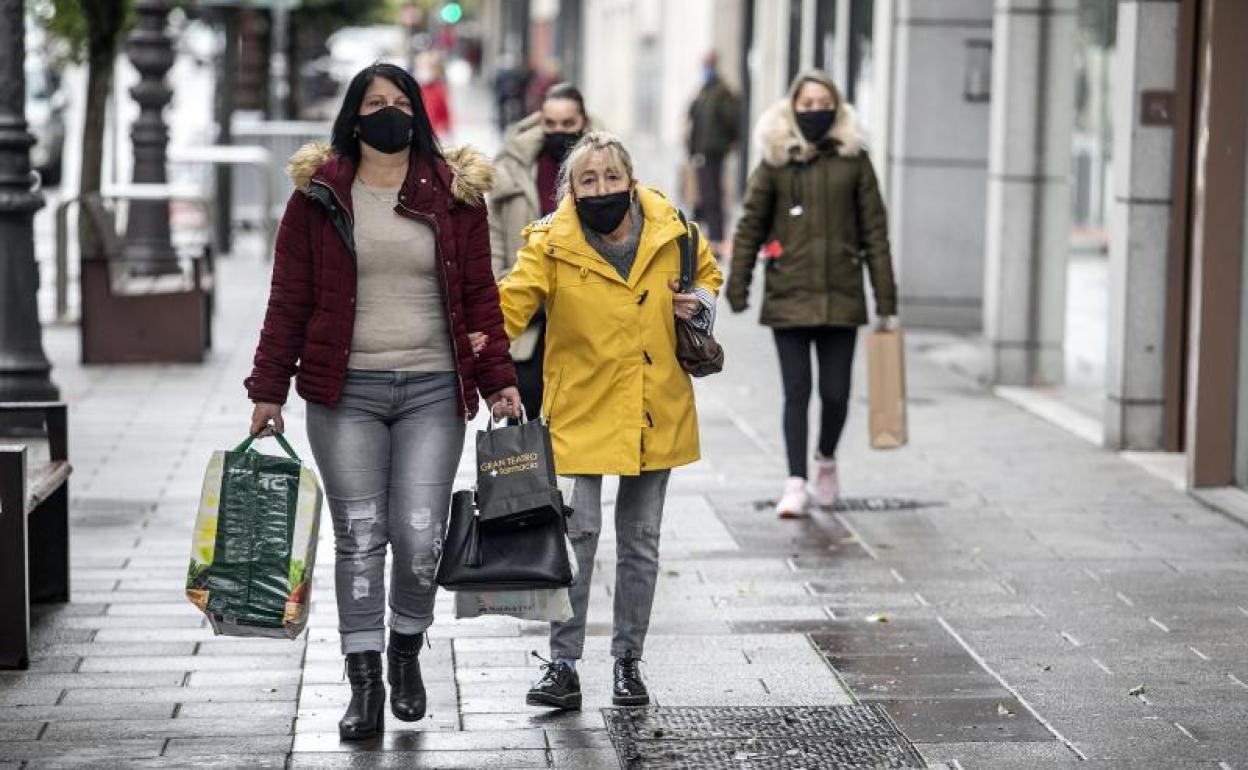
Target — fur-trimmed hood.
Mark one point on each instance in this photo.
(471, 175)
(780, 142)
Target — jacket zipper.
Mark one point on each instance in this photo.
(350, 219)
(446, 296)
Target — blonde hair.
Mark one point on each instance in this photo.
(593, 141)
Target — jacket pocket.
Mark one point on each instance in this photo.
(550, 399)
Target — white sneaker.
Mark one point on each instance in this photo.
(795, 502)
(827, 487)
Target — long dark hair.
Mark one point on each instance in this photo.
(343, 138)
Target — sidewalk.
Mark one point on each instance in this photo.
(1045, 583)
(1012, 596)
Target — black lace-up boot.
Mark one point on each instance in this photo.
(365, 717)
(627, 689)
(558, 688)
(407, 690)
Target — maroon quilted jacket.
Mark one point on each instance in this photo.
(311, 315)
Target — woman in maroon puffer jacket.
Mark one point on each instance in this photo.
(382, 270)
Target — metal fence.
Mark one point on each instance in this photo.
(281, 138)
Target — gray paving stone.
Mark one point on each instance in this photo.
(586, 759)
(258, 709)
(81, 752)
(288, 676)
(266, 663)
(199, 746)
(536, 718)
(999, 755)
(135, 679)
(20, 731)
(276, 761)
(238, 694)
(91, 730)
(442, 760)
(398, 738)
(51, 713)
(29, 696)
(124, 649)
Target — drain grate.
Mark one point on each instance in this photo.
(857, 504)
(861, 504)
(766, 738)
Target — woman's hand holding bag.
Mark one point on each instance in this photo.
(696, 349)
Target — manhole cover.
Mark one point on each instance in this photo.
(767, 738)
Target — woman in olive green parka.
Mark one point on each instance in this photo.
(813, 207)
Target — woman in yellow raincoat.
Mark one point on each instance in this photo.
(606, 264)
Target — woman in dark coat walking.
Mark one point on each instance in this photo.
(382, 270)
(813, 207)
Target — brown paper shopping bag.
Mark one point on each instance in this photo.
(886, 384)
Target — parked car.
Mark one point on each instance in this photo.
(45, 116)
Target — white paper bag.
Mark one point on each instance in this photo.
(545, 604)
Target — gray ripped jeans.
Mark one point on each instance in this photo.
(638, 514)
(387, 453)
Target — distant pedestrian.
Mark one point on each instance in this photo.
(617, 400)
(713, 131)
(525, 176)
(543, 79)
(511, 82)
(381, 271)
(431, 76)
(815, 204)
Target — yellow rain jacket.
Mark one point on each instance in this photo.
(617, 401)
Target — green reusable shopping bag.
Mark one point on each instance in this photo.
(255, 542)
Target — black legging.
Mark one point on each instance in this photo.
(835, 348)
(529, 379)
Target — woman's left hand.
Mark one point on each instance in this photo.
(505, 403)
(478, 340)
(686, 306)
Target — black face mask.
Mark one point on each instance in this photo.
(815, 124)
(604, 213)
(387, 130)
(557, 144)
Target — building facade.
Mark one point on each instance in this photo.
(1065, 178)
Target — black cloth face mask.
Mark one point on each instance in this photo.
(387, 130)
(815, 124)
(604, 213)
(557, 144)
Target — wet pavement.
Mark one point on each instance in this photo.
(1009, 596)
(1048, 601)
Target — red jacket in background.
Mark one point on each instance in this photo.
(438, 105)
(310, 320)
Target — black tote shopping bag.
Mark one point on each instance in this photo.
(476, 558)
(516, 476)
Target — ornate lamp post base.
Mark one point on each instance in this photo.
(149, 247)
(24, 369)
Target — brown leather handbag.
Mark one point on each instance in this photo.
(696, 350)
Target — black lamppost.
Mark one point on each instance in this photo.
(148, 243)
(24, 369)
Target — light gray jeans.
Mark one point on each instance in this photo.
(387, 453)
(638, 514)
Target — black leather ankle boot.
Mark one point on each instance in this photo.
(407, 690)
(365, 717)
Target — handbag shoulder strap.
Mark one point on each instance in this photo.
(688, 241)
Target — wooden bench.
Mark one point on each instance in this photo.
(34, 530)
(141, 319)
